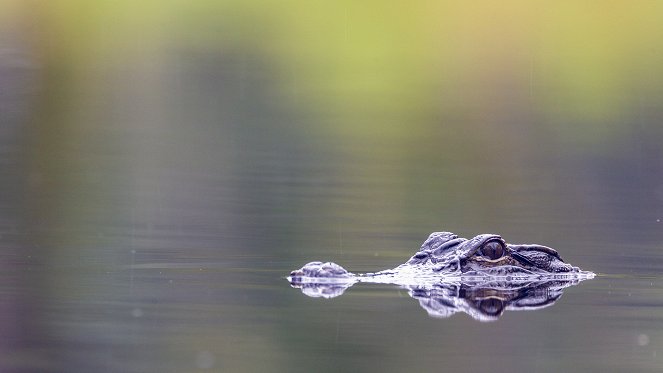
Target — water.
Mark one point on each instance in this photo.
(202, 286)
(159, 182)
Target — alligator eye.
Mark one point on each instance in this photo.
(492, 249)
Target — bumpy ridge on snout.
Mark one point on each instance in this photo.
(319, 272)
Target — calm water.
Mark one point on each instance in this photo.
(158, 186)
(199, 284)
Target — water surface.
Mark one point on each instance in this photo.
(161, 180)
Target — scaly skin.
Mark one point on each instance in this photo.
(446, 257)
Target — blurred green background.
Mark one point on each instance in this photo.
(220, 144)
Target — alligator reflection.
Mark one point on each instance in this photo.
(482, 301)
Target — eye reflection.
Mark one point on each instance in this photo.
(492, 249)
(491, 306)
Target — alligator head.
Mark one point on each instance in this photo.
(444, 255)
(482, 276)
(487, 255)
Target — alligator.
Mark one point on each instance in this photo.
(482, 276)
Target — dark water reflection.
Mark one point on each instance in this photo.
(483, 301)
(153, 205)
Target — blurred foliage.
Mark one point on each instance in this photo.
(398, 61)
(389, 93)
